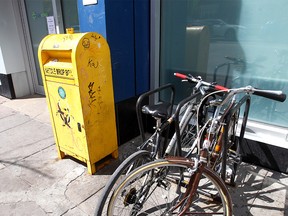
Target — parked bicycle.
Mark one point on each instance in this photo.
(184, 136)
(156, 145)
(191, 184)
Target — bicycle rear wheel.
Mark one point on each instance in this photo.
(132, 162)
(158, 187)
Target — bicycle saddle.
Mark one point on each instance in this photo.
(157, 110)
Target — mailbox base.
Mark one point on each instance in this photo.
(91, 165)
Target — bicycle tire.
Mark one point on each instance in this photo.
(133, 196)
(142, 156)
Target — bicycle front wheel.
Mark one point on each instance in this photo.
(132, 162)
(158, 188)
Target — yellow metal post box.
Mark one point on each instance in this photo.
(77, 78)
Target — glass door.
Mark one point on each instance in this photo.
(36, 13)
(45, 17)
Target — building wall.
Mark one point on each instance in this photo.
(92, 17)
(12, 67)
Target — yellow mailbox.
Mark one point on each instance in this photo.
(77, 78)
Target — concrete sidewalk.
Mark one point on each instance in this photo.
(35, 182)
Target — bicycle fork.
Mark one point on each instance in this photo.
(191, 189)
(192, 184)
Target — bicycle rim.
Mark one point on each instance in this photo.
(158, 187)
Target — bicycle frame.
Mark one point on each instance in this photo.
(179, 125)
(187, 104)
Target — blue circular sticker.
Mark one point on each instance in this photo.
(61, 92)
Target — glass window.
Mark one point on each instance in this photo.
(70, 14)
(232, 42)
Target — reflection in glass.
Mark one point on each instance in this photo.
(247, 45)
(70, 14)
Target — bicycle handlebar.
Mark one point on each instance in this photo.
(270, 94)
(200, 81)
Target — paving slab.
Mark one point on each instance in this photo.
(6, 112)
(23, 208)
(21, 135)
(13, 120)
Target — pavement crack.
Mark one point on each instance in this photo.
(36, 152)
(66, 189)
(72, 180)
(83, 201)
(33, 153)
(7, 116)
(16, 126)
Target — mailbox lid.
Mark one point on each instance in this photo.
(57, 55)
(60, 41)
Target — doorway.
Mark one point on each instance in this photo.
(36, 14)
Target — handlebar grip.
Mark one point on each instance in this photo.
(182, 76)
(271, 94)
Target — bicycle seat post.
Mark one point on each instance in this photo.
(158, 123)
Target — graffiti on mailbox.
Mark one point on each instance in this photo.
(99, 99)
(86, 43)
(91, 93)
(67, 37)
(95, 96)
(95, 36)
(92, 63)
(64, 115)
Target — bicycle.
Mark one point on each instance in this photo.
(176, 185)
(151, 147)
(184, 134)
